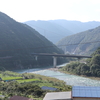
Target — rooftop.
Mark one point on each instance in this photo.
(86, 91)
(58, 96)
(48, 88)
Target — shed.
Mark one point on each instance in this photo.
(19, 98)
(58, 96)
(85, 93)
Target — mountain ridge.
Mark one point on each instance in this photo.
(81, 43)
(77, 26)
(51, 31)
(19, 41)
(55, 30)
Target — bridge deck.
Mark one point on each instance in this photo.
(60, 55)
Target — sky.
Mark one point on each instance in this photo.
(25, 10)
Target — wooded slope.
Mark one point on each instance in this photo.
(18, 41)
(81, 43)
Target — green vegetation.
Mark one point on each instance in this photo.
(12, 78)
(28, 80)
(28, 84)
(91, 68)
(18, 41)
(84, 43)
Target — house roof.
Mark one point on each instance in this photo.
(19, 98)
(86, 91)
(48, 88)
(58, 96)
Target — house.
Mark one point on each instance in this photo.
(85, 93)
(19, 98)
(58, 96)
(77, 93)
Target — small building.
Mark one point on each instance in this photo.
(25, 77)
(85, 93)
(19, 98)
(58, 96)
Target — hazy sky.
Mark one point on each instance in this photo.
(24, 10)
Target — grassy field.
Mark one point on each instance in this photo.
(12, 78)
(27, 80)
(33, 79)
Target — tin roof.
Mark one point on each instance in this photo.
(86, 91)
(48, 88)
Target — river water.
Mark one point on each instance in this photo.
(73, 80)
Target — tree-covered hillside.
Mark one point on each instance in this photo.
(18, 41)
(81, 43)
(90, 68)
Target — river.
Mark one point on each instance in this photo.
(73, 80)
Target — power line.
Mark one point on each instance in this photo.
(42, 47)
(80, 43)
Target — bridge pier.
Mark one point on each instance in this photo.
(79, 58)
(36, 58)
(54, 61)
(58, 55)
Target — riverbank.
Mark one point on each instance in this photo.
(69, 78)
(53, 69)
(57, 69)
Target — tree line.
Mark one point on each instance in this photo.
(90, 68)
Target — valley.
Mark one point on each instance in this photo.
(30, 73)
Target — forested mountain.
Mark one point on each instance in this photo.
(52, 31)
(76, 26)
(18, 41)
(81, 43)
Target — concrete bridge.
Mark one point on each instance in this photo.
(58, 55)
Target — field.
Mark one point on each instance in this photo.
(13, 82)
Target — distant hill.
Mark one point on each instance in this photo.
(18, 41)
(52, 31)
(76, 26)
(55, 30)
(81, 43)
